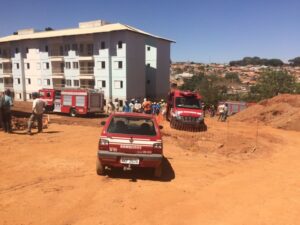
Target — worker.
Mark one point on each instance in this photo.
(146, 106)
(126, 107)
(110, 108)
(137, 107)
(6, 105)
(38, 107)
(221, 111)
(225, 112)
(131, 105)
(117, 105)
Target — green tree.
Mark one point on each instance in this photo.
(232, 77)
(295, 61)
(270, 83)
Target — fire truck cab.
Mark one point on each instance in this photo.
(73, 101)
(185, 111)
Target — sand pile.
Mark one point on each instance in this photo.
(282, 111)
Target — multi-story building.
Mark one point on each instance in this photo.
(122, 61)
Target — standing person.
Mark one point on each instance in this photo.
(7, 103)
(38, 107)
(117, 105)
(153, 108)
(225, 112)
(221, 111)
(126, 107)
(212, 111)
(131, 105)
(146, 106)
(110, 108)
(137, 107)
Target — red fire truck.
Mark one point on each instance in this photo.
(73, 101)
(184, 111)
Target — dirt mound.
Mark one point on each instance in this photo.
(282, 111)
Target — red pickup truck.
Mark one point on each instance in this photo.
(130, 140)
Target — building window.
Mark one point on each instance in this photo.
(1, 66)
(27, 50)
(28, 66)
(75, 65)
(120, 44)
(47, 82)
(81, 48)
(148, 48)
(68, 83)
(76, 83)
(29, 96)
(17, 80)
(0, 51)
(118, 84)
(17, 65)
(101, 83)
(102, 44)
(120, 65)
(46, 48)
(74, 47)
(28, 81)
(17, 50)
(90, 48)
(68, 65)
(19, 96)
(1, 80)
(103, 65)
(46, 65)
(67, 48)
(61, 50)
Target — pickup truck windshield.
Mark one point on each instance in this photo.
(132, 126)
(188, 102)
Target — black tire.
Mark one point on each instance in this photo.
(100, 168)
(73, 113)
(158, 171)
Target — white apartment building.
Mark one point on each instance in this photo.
(118, 59)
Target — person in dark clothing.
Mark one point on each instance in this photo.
(6, 105)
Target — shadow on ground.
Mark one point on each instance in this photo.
(143, 173)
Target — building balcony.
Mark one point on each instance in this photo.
(86, 69)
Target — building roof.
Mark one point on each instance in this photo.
(77, 31)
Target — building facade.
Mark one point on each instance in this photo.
(120, 60)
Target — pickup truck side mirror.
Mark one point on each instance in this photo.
(102, 123)
(160, 127)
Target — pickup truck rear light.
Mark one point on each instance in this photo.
(157, 148)
(103, 145)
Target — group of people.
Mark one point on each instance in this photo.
(6, 103)
(135, 105)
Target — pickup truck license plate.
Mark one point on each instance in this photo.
(133, 161)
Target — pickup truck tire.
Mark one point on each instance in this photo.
(73, 112)
(99, 168)
(159, 170)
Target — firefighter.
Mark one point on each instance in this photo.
(38, 107)
(126, 107)
(146, 106)
(6, 105)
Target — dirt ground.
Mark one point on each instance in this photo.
(235, 173)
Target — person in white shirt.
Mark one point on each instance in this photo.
(221, 111)
(38, 107)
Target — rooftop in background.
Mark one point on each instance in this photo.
(91, 27)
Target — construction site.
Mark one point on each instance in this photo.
(242, 171)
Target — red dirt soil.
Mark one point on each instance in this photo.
(282, 111)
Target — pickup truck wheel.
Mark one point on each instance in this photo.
(99, 168)
(73, 112)
(158, 171)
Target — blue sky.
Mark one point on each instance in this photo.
(204, 31)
